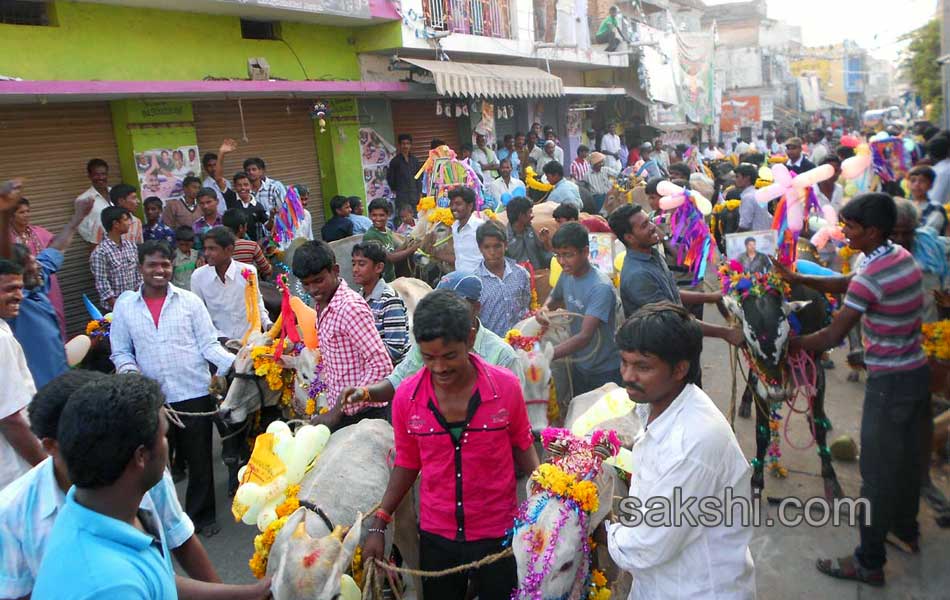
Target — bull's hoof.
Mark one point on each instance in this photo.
(745, 409)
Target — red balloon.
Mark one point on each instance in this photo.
(850, 141)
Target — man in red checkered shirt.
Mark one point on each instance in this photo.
(353, 354)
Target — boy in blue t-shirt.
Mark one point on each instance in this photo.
(584, 290)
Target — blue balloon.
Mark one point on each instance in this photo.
(806, 267)
(519, 191)
(505, 198)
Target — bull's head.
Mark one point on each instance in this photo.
(536, 365)
(248, 392)
(765, 325)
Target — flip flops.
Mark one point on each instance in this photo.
(847, 568)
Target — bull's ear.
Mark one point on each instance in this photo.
(733, 306)
(794, 306)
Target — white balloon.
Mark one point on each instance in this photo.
(795, 211)
(781, 175)
(803, 180)
(854, 167)
(668, 188)
(769, 192)
(831, 217)
(702, 204)
(671, 202)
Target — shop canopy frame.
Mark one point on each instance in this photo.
(475, 80)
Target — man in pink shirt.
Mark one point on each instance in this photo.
(458, 420)
(353, 353)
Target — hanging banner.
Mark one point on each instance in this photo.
(688, 59)
(162, 170)
(375, 153)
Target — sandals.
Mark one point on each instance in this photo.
(847, 568)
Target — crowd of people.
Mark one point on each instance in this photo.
(89, 451)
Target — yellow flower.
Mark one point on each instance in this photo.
(311, 407)
(488, 214)
(91, 326)
(426, 203)
(356, 567)
(597, 577)
(258, 566)
(512, 333)
(443, 215)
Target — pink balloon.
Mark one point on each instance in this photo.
(829, 214)
(668, 188)
(795, 211)
(781, 175)
(803, 180)
(769, 192)
(671, 202)
(855, 166)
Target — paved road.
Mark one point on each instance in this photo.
(784, 557)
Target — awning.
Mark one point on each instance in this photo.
(489, 81)
(570, 90)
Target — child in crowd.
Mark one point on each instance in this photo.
(506, 285)
(567, 213)
(360, 223)
(186, 257)
(369, 260)
(339, 226)
(379, 212)
(155, 228)
(124, 195)
(584, 290)
(920, 180)
(407, 219)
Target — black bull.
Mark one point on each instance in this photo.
(765, 321)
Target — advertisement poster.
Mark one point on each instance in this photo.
(375, 153)
(740, 111)
(162, 170)
(602, 252)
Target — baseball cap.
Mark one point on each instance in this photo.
(466, 285)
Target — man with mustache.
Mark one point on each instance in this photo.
(686, 447)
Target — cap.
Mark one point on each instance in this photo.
(596, 158)
(466, 285)
(550, 143)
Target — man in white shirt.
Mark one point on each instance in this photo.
(710, 152)
(506, 184)
(220, 284)
(213, 165)
(485, 156)
(98, 172)
(753, 216)
(547, 153)
(462, 205)
(610, 148)
(685, 448)
(19, 448)
(819, 146)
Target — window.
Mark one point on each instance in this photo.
(260, 30)
(25, 12)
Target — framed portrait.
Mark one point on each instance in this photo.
(752, 249)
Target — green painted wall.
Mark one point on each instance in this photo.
(384, 36)
(338, 147)
(95, 41)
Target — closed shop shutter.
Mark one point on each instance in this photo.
(418, 119)
(49, 145)
(278, 131)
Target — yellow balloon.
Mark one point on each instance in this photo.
(618, 265)
(555, 272)
(348, 588)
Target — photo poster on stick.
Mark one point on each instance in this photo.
(161, 171)
(375, 153)
(602, 252)
(752, 249)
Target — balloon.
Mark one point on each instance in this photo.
(671, 202)
(809, 268)
(612, 405)
(781, 175)
(795, 211)
(909, 144)
(76, 349)
(852, 168)
(555, 273)
(94, 313)
(702, 204)
(668, 188)
(306, 320)
(769, 192)
(849, 141)
(765, 173)
(808, 178)
(828, 212)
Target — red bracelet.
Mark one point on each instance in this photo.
(384, 516)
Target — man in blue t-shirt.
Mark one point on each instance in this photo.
(584, 290)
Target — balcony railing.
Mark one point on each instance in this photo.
(489, 18)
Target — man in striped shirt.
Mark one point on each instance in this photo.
(886, 296)
(369, 260)
(580, 167)
(246, 251)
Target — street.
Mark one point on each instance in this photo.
(784, 557)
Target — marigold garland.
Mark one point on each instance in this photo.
(99, 327)
(442, 215)
(356, 567)
(262, 546)
(598, 585)
(426, 203)
(560, 483)
(516, 340)
(936, 339)
(531, 180)
(846, 252)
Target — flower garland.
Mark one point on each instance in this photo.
(99, 328)
(441, 215)
(317, 386)
(426, 203)
(356, 567)
(727, 205)
(264, 541)
(534, 305)
(936, 339)
(531, 180)
(555, 480)
(516, 340)
(846, 252)
(735, 281)
(277, 377)
(598, 585)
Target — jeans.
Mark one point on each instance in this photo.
(890, 460)
(492, 582)
(194, 445)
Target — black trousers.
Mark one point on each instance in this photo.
(583, 382)
(492, 582)
(194, 445)
(610, 38)
(890, 459)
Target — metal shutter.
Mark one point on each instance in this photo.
(418, 119)
(278, 131)
(49, 145)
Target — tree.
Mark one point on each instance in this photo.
(920, 65)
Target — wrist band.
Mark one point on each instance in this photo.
(376, 530)
(384, 516)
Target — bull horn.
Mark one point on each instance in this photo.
(275, 330)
